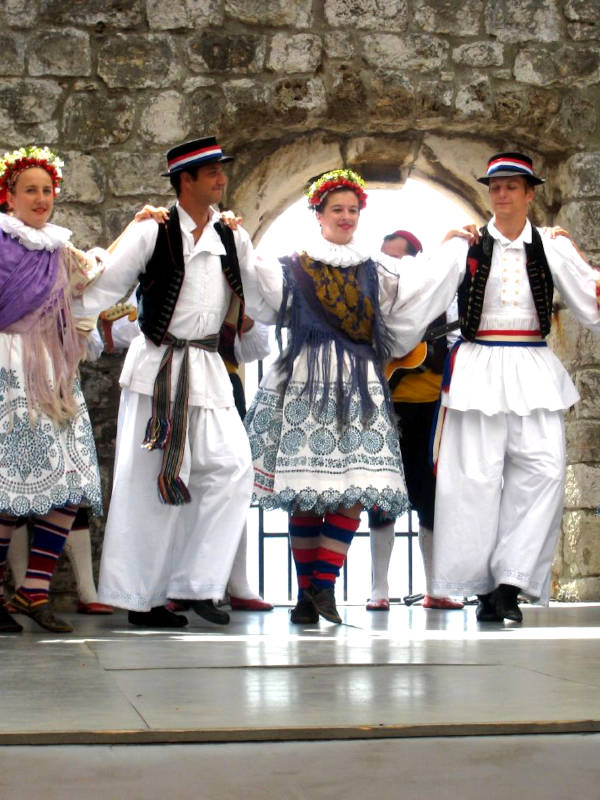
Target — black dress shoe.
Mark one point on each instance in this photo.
(304, 613)
(9, 624)
(157, 617)
(506, 602)
(323, 599)
(208, 610)
(486, 608)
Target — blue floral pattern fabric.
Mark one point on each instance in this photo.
(44, 465)
(305, 458)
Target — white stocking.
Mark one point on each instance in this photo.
(18, 554)
(79, 550)
(426, 545)
(382, 543)
(238, 585)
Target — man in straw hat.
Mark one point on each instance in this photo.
(180, 500)
(501, 467)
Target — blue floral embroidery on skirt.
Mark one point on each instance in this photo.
(44, 465)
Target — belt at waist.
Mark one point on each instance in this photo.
(210, 343)
(167, 431)
(510, 338)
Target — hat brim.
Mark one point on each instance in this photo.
(509, 173)
(221, 159)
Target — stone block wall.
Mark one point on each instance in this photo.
(403, 87)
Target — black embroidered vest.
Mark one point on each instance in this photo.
(160, 283)
(472, 290)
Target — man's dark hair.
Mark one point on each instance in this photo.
(411, 250)
(175, 177)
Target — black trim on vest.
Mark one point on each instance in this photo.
(160, 283)
(231, 268)
(471, 292)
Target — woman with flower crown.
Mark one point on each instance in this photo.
(48, 462)
(321, 429)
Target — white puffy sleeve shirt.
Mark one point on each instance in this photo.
(409, 297)
(201, 307)
(521, 379)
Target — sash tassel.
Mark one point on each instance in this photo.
(167, 431)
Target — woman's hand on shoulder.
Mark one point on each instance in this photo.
(157, 213)
(230, 219)
(469, 232)
(556, 231)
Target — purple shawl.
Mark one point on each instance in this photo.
(35, 303)
(26, 279)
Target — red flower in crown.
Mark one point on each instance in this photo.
(336, 179)
(12, 164)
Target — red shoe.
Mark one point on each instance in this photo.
(177, 606)
(94, 608)
(249, 604)
(444, 603)
(378, 605)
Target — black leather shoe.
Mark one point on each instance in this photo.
(9, 624)
(323, 599)
(506, 602)
(157, 617)
(486, 608)
(208, 610)
(304, 613)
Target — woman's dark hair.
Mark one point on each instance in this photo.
(323, 202)
(411, 250)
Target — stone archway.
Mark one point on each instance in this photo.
(421, 87)
(264, 186)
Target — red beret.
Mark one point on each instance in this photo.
(410, 238)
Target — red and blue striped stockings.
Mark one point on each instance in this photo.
(319, 547)
(304, 541)
(336, 535)
(49, 536)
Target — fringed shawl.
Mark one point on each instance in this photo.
(333, 308)
(35, 302)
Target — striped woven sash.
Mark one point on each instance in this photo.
(166, 431)
(488, 338)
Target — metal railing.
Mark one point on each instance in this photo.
(409, 535)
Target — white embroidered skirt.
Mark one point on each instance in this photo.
(305, 457)
(43, 465)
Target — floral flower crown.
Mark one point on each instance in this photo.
(336, 179)
(13, 164)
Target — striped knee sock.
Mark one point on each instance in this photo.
(49, 536)
(6, 532)
(336, 534)
(304, 541)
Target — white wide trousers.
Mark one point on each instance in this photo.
(154, 551)
(499, 500)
